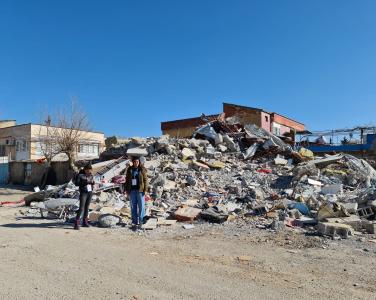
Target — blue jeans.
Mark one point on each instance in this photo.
(137, 207)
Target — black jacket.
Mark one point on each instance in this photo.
(83, 180)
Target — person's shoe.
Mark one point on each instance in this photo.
(85, 222)
(77, 224)
(134, 227)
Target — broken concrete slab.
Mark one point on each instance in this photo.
(137, 152)
(280, 161)
(323, 162)
(150, 224)
(188, 153)
(164, 222)
(251, 151)
(188, 226)
(214, 214)
(187, 213)
(353, 221)
(332, 189)
(229, 142)
(352, 208)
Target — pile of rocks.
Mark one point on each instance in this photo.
(253, 176)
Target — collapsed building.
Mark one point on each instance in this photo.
(281, 126)
(230, 172)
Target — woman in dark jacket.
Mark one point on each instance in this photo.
(85, 181)
(136, 185)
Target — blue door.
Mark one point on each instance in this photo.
(4, 170)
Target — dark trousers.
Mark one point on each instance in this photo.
(85, 198)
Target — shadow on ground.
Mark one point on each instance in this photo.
(61, 225)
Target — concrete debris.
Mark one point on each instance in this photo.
(188, 226)
(137, 152)
(332, 189)
(231, 173)
(335, 229)
(280, 161)
(108, 221)
(150, 224)
(187, 213)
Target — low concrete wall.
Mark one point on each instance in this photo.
(16, 172)
(31, 173)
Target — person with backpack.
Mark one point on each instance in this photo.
(136, 186)
(85, 181)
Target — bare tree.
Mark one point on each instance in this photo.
(63, 133)
(46, 141)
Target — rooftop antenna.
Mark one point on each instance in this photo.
(48, 121)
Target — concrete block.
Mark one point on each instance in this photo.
(365, 212)
(369, 226)
(334, 229)
(351, 208)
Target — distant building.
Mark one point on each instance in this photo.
(270, 121)
(24, 142)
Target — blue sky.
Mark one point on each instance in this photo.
(133, 64)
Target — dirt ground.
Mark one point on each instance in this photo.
(46, 259)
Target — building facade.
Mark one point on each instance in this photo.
(25, 142)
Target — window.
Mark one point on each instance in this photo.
(266, 119)
(38, 148)
(21, 146)
(276, 131)
(2, 150)
(89, 149)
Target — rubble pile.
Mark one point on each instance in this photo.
(233, 173)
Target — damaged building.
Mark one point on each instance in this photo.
(272, 122)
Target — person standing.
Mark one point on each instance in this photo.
(136, 186)
(85, 181)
